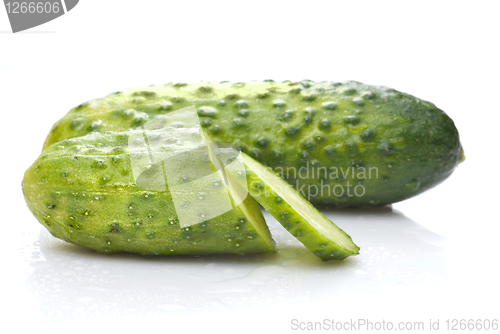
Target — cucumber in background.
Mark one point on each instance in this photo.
(344, 144)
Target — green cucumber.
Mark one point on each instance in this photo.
(84, 192)
(299, 217)
(342, 144)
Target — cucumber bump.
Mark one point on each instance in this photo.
(339, 132)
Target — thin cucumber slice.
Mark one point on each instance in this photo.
(296, 214)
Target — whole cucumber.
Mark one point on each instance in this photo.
(83, 191)
(342, 144)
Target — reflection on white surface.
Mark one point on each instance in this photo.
(396, 254)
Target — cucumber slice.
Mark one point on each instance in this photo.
(296, 214)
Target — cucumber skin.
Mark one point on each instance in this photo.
(409, 144)
(66, 191)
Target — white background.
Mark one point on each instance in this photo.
(434, 256)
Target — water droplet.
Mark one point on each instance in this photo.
(243, 112)
(207, 111)
(329, 105)
(279, 103)
(358, 101)
(241, 104)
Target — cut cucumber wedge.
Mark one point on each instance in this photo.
(296, 214)
(83, 190)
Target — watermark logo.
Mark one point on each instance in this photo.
(28, 14)
(332, 181)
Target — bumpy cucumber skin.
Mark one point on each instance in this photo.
(82, 190)
(295, 223)
(403, 144)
